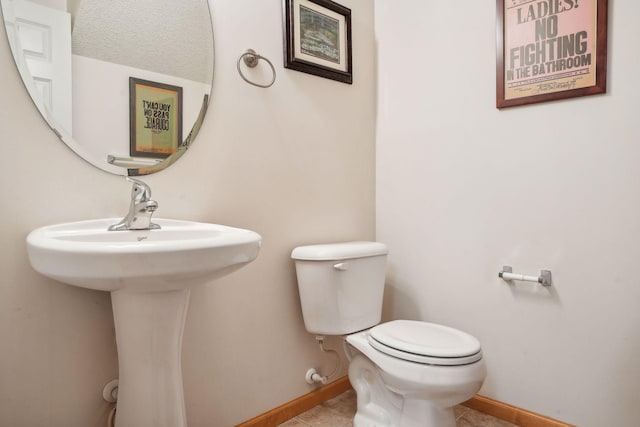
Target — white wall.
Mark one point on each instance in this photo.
(294, 163)
(463, 189)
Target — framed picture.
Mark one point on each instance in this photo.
(155, 117)
(550, 49)
(317, 37)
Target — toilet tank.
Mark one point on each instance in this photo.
(341, 285)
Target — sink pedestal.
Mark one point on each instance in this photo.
(149, 328)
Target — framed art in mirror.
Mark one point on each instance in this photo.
(317, 38)
(155, 118)
(549, 50)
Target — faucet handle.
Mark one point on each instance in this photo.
(140, 192)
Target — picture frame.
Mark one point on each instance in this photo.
(317, 35)
(549, 50)
(155, 117)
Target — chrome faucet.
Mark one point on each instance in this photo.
(140, 210)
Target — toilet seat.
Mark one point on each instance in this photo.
(423, 342)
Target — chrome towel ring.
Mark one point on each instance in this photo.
(251, 59)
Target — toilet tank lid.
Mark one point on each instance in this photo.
(339, 251)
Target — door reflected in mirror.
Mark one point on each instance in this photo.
(77, 57)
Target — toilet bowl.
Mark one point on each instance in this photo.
(402, 388)
(405, 373)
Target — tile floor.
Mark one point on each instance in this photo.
(339, 412)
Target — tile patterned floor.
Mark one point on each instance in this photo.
(339, 412)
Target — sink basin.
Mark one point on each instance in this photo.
(150, 274)
(179, 255)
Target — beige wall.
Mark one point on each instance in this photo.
(463, 189)
(294, 162)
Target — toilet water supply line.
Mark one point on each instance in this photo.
(312, 375)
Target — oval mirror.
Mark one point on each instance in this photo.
(124, 83)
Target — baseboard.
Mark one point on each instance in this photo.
(503, 411)
(302, 404)
(512, 414)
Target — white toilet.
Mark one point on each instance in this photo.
(405, 373)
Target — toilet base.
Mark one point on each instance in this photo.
(418, 413)
(380, 407)
(377, 406)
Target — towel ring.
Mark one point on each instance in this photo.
(251, 59)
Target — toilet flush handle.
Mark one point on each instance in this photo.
(342, 266)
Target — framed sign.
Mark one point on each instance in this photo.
(550, 49)
(155, 117)
(318, 38)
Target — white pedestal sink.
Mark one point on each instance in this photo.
(149, 274)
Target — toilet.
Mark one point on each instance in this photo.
(405, 373)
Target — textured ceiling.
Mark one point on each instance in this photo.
(171, 37)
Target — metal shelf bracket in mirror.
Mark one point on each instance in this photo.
(251, 59)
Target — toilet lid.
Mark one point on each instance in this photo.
(424, 342)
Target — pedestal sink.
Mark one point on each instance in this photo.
(149, 274)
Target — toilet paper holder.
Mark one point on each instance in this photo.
(507, 275)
